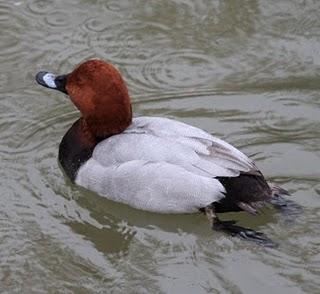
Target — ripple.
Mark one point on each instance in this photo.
(287, 129)
(62, 53)
(4, 78)
(5, 13)
(40, 6)
(114, 5)
(22, 134)
(38, 131)
(10, 20)
(303, 21)
(7, 124)
(177, 70)
(135, 42)
(101, 37)
(10, 44)
(35, 216)
(176, 94)
(58, 19)
(58, 40)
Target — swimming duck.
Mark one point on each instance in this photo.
(153, 163)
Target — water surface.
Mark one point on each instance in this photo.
(246, 71)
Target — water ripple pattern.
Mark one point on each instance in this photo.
(180, 69)
(246, 71)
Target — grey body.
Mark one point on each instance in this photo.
(162, 165)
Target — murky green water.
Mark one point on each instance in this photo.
(247, 71)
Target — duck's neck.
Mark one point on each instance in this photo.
(109, 118)
(76, 148)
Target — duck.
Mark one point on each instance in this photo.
(155, 164)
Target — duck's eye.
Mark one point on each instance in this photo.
(80, 81)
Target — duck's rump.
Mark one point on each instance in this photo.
(246, 192)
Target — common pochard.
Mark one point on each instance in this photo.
(153, 163)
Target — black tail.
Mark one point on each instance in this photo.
(278, 191)
(280, 201)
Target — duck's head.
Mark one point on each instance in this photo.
(99, 92)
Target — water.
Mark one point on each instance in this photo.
(246, 71)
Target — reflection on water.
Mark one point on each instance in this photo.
(247, 71)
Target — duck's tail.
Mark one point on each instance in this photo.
(278, 191)
(280, 201)
(278, 195)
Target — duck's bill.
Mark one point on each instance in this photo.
(49, 80)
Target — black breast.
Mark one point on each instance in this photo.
(74, 150)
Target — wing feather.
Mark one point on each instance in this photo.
(161, 139)
(153, 186)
